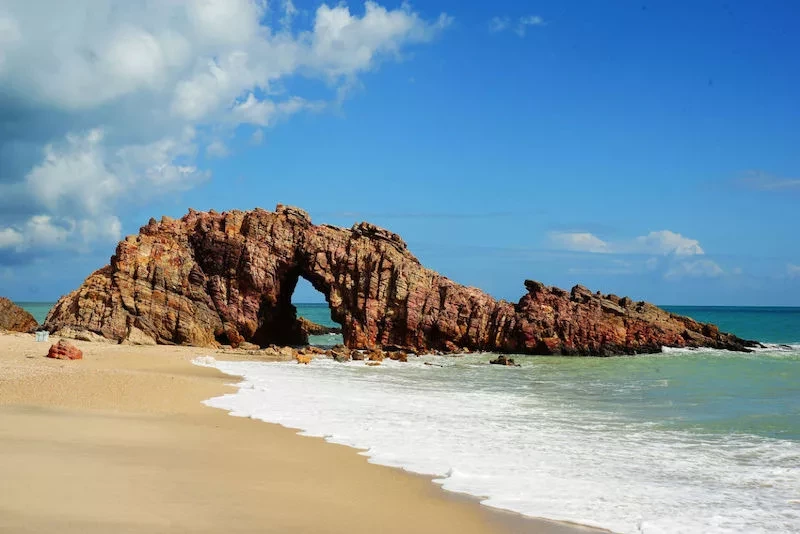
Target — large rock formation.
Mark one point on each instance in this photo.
(14, 318)
(226, 278)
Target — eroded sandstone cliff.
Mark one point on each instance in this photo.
(225, 278)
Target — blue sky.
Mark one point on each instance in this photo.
(642, 148)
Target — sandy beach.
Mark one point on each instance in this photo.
(120, 442)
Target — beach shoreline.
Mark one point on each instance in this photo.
(121, 440)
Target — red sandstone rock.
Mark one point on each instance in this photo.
(376, 355)
(314, 329)
(398, 356)
(65, 351)
(210, 278)
(14, 318)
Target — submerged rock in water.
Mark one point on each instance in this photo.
(502, 360)
(14, 318)
(211, 279)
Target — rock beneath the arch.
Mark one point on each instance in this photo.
(376, 355)
(64, 350)
(398, 356)
(211, 279)
(341, 355)
(313, 329)
(303, 358)
(14, 318)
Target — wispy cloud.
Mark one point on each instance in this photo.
(519, 26)
(678, 253)
(525, 22)
(695, 269)
(763, 181)
(659, 242)
(415, 215)
(793, 271)
(499, 24)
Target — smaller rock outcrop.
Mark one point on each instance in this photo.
(81, 335)
(14, 318)
(313, 329)
(64, 350)
(502, 360)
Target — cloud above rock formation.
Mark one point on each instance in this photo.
(109, 103)
(680, 251)
(657, 243)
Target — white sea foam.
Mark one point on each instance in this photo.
(489, 432)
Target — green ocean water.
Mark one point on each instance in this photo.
(704, 391)
(770, 324)
(39, 310)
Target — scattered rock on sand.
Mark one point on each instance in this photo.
(303, 358)
(64, 350)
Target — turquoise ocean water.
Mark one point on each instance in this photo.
(39, 310)
(683, 441)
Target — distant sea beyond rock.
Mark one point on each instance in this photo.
(227, 278)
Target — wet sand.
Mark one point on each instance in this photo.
(120, 442)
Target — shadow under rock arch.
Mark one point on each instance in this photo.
(278, 322)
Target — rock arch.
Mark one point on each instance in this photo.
(211, 278)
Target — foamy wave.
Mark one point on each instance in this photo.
(205, 361)
(489, 434)
(778, 347)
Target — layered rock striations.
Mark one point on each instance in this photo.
(14, 318)
(228, 278)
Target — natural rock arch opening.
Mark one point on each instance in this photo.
(279, 322)
(316, 316)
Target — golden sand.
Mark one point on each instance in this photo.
(119, 442)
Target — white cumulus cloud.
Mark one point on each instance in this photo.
(579, 242)
(665, 242)
(105, 103)
(661, 242)
(675, 255)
